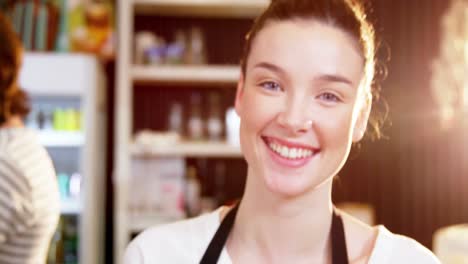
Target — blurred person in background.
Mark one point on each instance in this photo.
(29, 195)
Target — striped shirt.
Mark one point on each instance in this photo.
(29, 198)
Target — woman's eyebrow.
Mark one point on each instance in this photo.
(270, 66)
(333, 78)
(325, 77)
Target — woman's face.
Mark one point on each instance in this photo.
(300, 105)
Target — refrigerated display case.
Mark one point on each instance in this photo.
(67, 93)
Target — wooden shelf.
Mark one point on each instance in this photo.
(190, 149)
(186, 74)
(61, 138)
(205, 8)
(70, 206)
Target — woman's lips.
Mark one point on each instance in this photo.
(289, 154)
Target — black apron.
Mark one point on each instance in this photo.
(212, 253)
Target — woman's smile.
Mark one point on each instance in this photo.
(289, 154)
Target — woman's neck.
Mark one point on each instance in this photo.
(13, 122)
(282, 230)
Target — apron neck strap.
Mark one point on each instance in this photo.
(212, 253)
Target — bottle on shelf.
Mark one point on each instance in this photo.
(41, 118)
(144, 40)
(74, 188)
(176, 118)
(192, 192)
(196, 53)
(63, 183)
(59, 119)
(55, 254)
(195, 122)
(214, 122)
(70, 243)
(232, 126)
(175, 51)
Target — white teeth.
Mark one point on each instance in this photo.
(290, 153)
(293, 153)
(299, 153)
(284, 151)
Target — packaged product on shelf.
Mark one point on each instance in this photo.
(61, 43)
(156, 53)
(145, 141)
(36, 22)
(157, 188)
(66, 119)
(91, 27)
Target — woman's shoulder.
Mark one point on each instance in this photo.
(395, 248)
(175, 243)
(376, 245)
(19, 139)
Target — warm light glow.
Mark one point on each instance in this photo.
(450, 69)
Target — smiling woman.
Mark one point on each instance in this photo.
(304, 97)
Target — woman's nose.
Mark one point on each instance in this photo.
(295, 118)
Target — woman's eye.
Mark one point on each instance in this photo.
(271, 86)
(329, 97)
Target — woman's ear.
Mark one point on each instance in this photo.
(239, 95)
(362, 120)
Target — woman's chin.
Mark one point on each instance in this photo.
(286, 188)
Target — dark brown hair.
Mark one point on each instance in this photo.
(347, 15)
(13, 101)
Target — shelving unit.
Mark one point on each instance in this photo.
(128, 75)
(50, 138)
(190, 149)
(204, 8)
(59, 77)
(186, 74)
(70, 207)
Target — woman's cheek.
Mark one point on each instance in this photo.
(260, 109)
(335, 127)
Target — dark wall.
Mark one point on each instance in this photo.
(416, 177)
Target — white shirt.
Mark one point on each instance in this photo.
(186, 241)
(29, 198)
